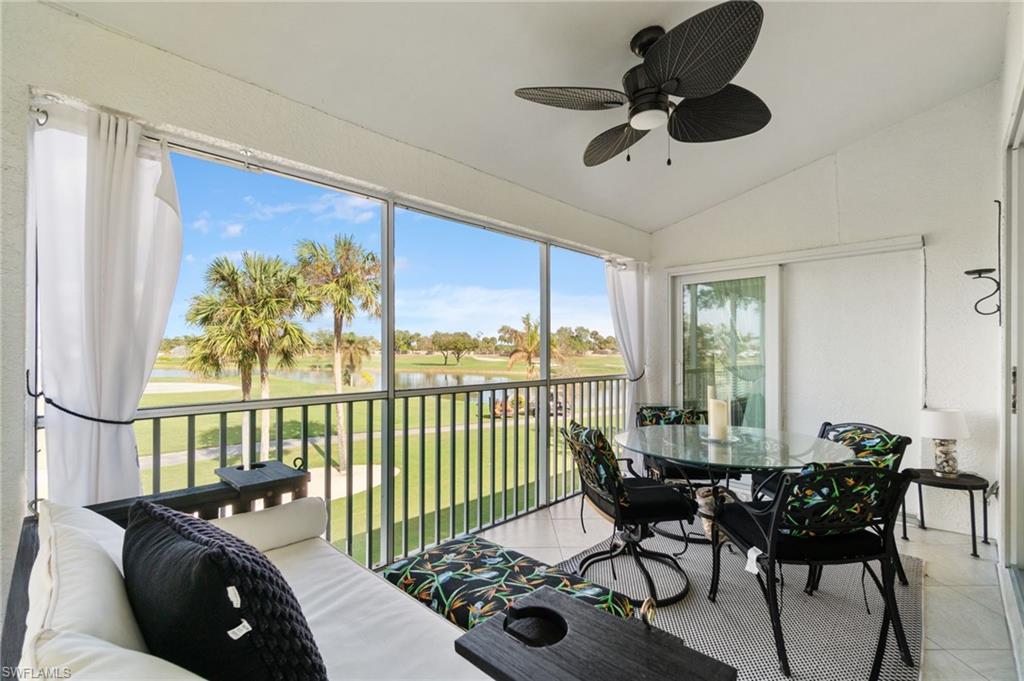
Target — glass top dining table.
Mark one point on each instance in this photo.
(747, 449)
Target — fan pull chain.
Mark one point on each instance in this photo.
(668, 150)
(627, 157)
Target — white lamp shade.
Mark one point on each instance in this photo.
(944, 424)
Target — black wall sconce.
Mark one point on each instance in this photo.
(986, 272)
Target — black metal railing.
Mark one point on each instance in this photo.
(402, 473)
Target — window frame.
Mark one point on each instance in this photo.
(772, 332)
(251, 161)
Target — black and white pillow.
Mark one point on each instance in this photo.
(211, 603)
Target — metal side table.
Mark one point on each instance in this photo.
(966, 482)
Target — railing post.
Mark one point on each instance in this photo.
(544, 401)
(190, 436)
(387, 360)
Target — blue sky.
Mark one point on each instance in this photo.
(448, 276)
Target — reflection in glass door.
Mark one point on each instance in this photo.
(727, 337)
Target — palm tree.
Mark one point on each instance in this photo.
(246, 314)
(525, 343)
(354, 349)
(344, 278)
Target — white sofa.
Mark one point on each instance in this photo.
(80, 622)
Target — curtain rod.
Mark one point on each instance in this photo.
(411, 204)
(248, 165)
(416, 204)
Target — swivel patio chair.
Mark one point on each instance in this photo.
(630, 504)
(826, 515)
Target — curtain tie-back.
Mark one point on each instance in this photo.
(53, 403)
(638, 378)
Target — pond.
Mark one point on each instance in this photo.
(404, 380)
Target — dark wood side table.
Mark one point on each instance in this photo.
(585, 645)
(267, 480)
(967, 482)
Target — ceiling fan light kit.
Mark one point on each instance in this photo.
(648, 115)
(695, 61)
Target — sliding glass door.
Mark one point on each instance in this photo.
(727, 337)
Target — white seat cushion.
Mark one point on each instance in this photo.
(365, 627)
(278, 526)
(75, 583)
(80, 619)
(106, 532)
(87, 657)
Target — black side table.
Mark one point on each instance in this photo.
(965, 481)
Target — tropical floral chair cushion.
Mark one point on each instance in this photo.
(469, 579)
(823, 502)
(867, 442)
(661, 415)
(596, 463)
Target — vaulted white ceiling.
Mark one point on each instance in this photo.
(441, 77)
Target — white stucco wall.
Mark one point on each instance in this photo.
(47, 48)
(1013, 67)
(935, 174)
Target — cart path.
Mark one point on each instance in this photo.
(213, 453)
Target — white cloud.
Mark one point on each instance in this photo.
(263, 211)
(326, 207)
(344, 207)
(401, 262)
(202, 223)
(477, 309)
(190, 258)
(232, 230)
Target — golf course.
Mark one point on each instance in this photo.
(427, 469)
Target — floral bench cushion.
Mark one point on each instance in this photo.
(469, 579)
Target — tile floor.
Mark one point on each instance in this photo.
(965, 630)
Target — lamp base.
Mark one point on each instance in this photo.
(946, 465)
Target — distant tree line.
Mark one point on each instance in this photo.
(456, 345)
(566, 341)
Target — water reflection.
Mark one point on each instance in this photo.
(404, 380)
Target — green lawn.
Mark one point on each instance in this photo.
(588, 365)
(174, 431)
(423, 490)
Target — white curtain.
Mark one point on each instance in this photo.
(626, 298)
(109, 250)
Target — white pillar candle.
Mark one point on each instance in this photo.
(718, 419)
(719, 453)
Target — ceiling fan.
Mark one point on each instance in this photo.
(694, 61)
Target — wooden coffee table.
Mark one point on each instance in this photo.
(592, 646)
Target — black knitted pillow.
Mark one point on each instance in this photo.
(211, 603)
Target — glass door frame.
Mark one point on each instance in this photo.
(772, 332)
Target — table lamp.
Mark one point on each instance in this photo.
(944, 427)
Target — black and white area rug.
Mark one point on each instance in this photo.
(829, 636)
